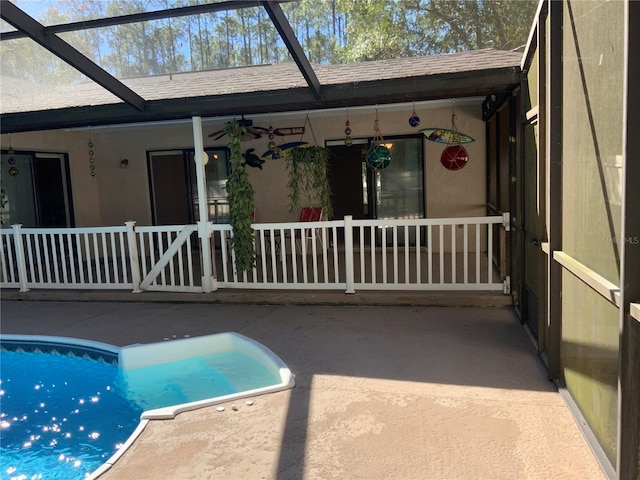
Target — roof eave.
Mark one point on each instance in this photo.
(396, 90)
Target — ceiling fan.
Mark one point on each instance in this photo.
(247, 123)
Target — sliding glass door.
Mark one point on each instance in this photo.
(174, 193)
(398, 190)
(360, 191)
(34, 190)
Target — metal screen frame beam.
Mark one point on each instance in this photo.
(627, 461)
(293, 45)
(37, 32)
(139, 17)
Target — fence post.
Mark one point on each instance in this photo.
(22, 265)
(506, 227)
(348, 253)
(214, 267)
(134, 261)
(204, 232)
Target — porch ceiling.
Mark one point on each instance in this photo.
(294, 86)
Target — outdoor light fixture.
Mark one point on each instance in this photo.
(124, 163)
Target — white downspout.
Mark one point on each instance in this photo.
(204, 232)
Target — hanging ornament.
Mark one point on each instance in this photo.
(92, 160)
(454, 156)
(378, 155)
(270, 132)
(12, 154)
(11, 160)
(414, 119)
(348, 141)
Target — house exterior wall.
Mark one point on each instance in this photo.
(116, 195)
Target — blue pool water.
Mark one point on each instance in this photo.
(193, 379)
(62, 417)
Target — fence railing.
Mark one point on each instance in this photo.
(415, 254)
(412, 254)
(68, 258)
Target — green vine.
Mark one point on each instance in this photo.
(307, 167)
(241, 205)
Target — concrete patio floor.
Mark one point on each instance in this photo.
(384, 392)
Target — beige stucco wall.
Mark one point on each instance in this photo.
(116, 195)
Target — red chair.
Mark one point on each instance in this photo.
(307, 214)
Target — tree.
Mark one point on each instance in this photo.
(330, 31)
(378, 29)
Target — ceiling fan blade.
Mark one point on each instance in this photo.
(216, 133)
(257, 132)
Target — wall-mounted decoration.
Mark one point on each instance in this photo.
(378, 155)
(124, 163)
(252, 159)
(286, 131)
(92, 159)
(11, 160)
(275, 151)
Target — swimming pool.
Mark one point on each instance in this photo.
(83, 422)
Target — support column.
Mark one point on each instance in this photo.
(204, 232)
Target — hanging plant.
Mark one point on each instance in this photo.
(241, 205)
(307, 167)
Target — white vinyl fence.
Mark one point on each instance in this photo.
(348, 255)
